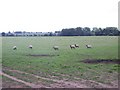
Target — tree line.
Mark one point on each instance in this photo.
(86, 31)
(79, 31)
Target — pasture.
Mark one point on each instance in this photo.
(42, 66)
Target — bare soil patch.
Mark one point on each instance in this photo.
(81, 83)
(9, 83)
(41, 55)
(105, 61)
(28, 84)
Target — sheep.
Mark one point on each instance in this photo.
(56, 47)
(14, 48)
(76, 45)
(88, 46)
(72, 46)
(30, 46)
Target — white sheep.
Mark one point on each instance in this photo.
(88, 46)
(30, 46)
(14, 47)
(56, 47)
(76, 45)
(72, 46)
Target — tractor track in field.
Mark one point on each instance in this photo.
(21, 81)
(57, 83)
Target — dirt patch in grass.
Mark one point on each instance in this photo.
(9, 83)
(63, 83)
(105, 61)
(42, 55)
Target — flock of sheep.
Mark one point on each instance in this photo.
(57, 47)
(15, 47)
(72, 46)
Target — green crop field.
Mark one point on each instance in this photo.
(64, 64)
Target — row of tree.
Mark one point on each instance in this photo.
(79, 31)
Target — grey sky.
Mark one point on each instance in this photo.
(54, 15)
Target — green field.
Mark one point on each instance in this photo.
(64, 63)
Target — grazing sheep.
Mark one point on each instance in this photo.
(88, 46)
(14, 48)
(30, 46)
(72, 46)
(76, 45)
(56, 47)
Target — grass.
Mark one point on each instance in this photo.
(68, 61)
(0, 51)
(9, 83)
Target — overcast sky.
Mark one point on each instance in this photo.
(54, 15)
